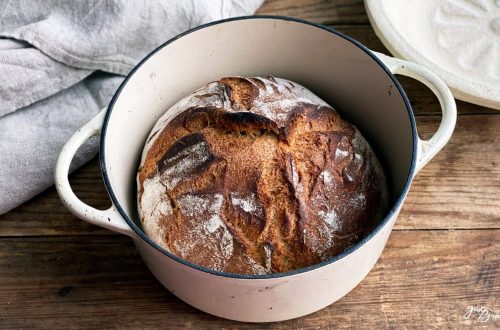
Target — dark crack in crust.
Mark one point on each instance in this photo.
(317, 183)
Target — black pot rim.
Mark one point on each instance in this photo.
(397, 204)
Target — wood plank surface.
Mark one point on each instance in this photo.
(458, 189)
(57, 271)
(423, 277)
(349, 12)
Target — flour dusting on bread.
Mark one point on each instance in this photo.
(257, 175)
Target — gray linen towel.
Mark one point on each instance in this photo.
(60, 63)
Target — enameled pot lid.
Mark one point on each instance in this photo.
(457, 39)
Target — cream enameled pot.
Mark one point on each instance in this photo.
(355, 80)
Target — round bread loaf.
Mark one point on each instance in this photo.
(257, 175)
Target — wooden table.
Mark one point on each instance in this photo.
(443, 256)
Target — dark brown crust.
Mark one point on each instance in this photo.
(241, 91)
(284, 166)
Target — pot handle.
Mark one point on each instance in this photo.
(427, 149)
(110, 218)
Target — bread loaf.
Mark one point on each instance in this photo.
(257, 175)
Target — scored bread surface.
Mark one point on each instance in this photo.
(257, 175)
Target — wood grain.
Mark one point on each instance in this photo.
(57, 271)
(458, 189)
(424, 279)
(45, 214)
(349, 17)
(325, 12)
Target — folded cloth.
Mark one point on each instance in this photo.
(61, 61)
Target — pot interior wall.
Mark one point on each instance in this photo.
(332, 67)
